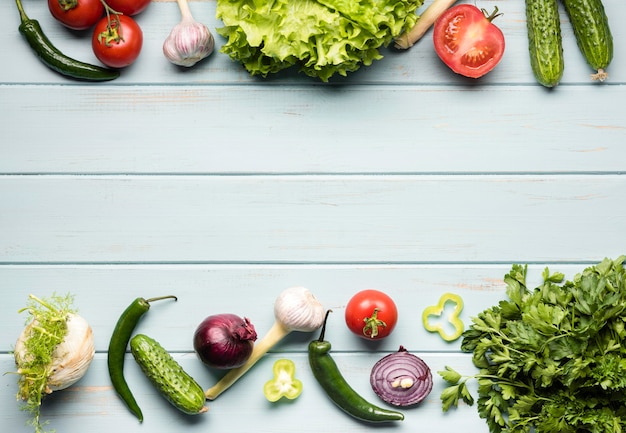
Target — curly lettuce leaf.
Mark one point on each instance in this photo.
(321, 37)
(383, 19)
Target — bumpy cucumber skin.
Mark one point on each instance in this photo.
(591, 28)
(545, 44)
(180, 389)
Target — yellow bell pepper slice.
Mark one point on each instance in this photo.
(436, 311)
(284, 383)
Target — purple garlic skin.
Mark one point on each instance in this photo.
(188, 43)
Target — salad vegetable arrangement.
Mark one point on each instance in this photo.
(549, 359)
(338, 389)
(122, 333)
(325, 38)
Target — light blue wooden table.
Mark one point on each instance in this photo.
(225, 189)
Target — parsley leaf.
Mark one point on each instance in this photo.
(550, 359)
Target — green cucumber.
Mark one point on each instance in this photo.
(180, 389)
(545, 44)
(593, 35)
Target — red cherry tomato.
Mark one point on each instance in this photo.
(371, 314)
(117, 42)
(76, 14)
(467, 41)
(128, 7)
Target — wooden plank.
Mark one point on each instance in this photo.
(225, 189)
(257, 129)
(310, 219)
(93, 402)
(102, 292)
(419, 65)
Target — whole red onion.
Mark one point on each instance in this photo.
(224, 340)
(401, 378)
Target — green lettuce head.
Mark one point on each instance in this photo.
(320, 37)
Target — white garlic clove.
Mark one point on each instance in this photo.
(189, 42)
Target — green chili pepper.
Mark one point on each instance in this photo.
(453, 318)
(117, 349)
(340, 392)
(55, 59)
(284, 382)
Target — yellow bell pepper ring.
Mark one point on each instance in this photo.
(436, 311)
(284, 383)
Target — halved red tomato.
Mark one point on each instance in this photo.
(467, 41)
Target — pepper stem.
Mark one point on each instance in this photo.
(323, 331)
(20, 9)
(158, 298)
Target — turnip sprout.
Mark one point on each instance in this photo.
(52, 353)
(295, 309)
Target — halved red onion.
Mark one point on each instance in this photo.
(401, 378)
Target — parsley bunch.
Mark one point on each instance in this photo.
(552, 359)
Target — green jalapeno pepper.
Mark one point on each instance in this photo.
(55, 59)
(340, 392)
(117, 349)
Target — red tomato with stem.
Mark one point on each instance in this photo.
(76, 14)
(467, 41)
(371, 314)
(117, 40)
(128, 7)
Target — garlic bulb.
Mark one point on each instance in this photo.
(298, 310)
(189, 41)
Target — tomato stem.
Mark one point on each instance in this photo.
(113, 32)
(372, 324)
(493, 15)
(67, 5)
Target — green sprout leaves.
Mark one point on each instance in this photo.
(552, 358)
